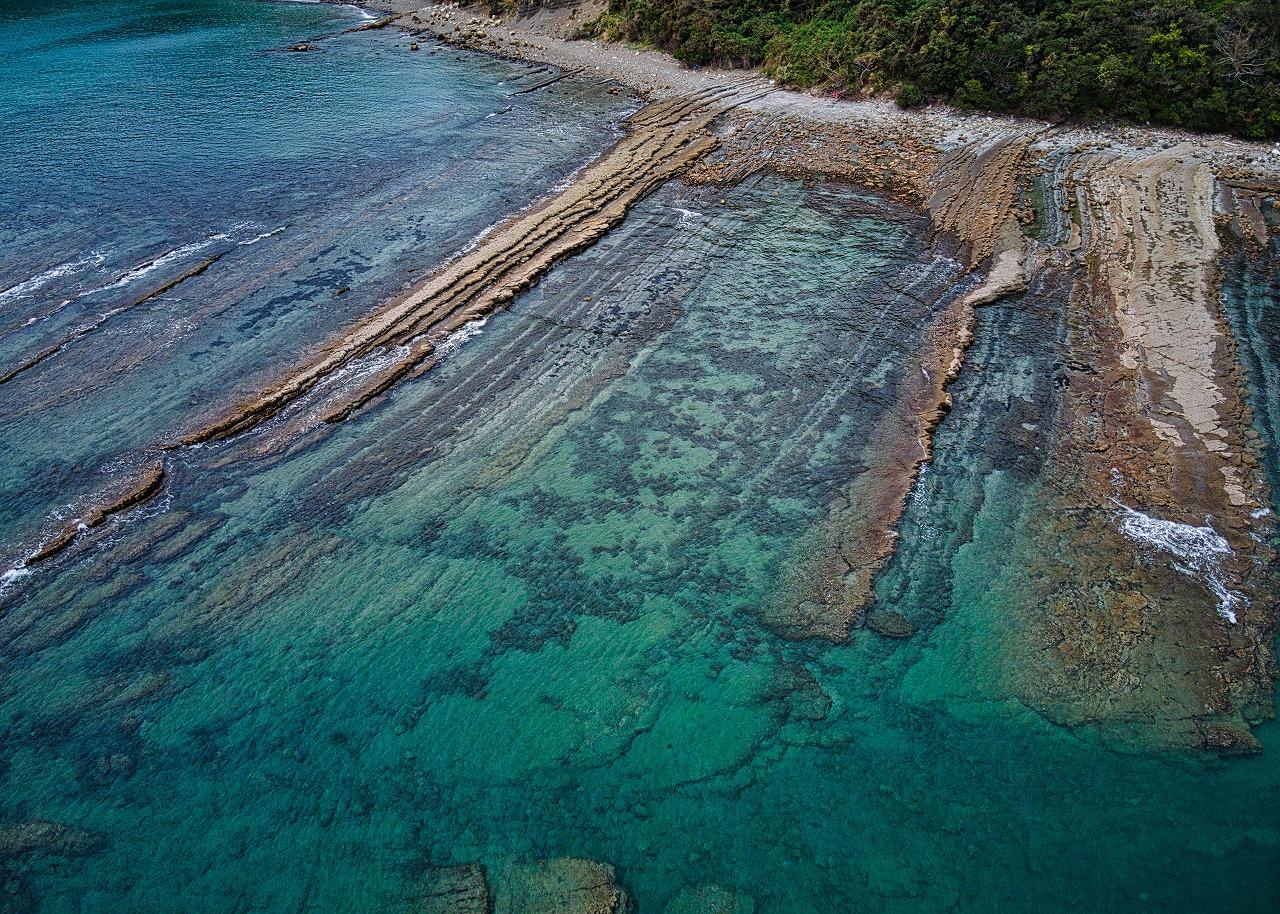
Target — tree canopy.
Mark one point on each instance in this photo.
(1211, 65)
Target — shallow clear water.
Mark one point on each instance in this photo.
(516, 609)
(141, 139)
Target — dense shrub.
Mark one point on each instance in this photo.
(1202, 64)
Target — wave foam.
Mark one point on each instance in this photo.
(13, 575)
(163, 260)
(453, 342)
(1199, 551)
(256, 238)
(39, 281)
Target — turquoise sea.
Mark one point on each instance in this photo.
(518, 609)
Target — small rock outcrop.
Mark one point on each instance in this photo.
(561, 885)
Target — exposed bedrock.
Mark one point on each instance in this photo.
(1147, 589)
(973, 208)
(1154, 582)
(1150, 601)
(122, 495)
(663, 139)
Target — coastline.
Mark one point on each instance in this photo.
(1153, 416)
(543, 37)
(468, 484)
(1156, 394)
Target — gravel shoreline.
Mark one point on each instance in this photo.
(815, 121)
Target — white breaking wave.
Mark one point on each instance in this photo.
(35, 283)
(163, 260)
(12, 576)
(256, 238)
(1199, 551)
(453, 342)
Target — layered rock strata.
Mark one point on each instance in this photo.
(1160, 602)
(662, 140)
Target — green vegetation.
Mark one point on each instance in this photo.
(1202, 64)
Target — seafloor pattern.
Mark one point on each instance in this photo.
(534, 631)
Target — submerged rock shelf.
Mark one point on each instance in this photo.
(663, 139)
(782, 512)
(1150, 410)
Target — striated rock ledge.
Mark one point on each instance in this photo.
(1153, 419)
(662, 140)
(118, 498)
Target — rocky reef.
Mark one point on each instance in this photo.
(561, 885)
(1150, 600)
(1153, 442)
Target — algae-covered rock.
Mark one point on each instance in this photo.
(564, 885)
(890, 624)
(456, 890)
(710, 898)
(46, 837)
